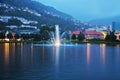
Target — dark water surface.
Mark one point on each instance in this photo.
(66, 62)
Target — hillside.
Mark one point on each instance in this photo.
(106, 21)
(35, 11)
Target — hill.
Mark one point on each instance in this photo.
(36, 11)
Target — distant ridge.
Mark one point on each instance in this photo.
(106, 21)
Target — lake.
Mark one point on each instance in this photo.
(20, 61)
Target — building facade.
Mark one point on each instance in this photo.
(91, 34)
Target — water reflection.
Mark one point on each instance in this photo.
(102, 52)
(64, 52)
(12, 48)
(6, 53)
(32, 48)
(76, 50)
(118, 51)
(118, 48)
(21, 50)
(43, 51)
(57, 55)
(88, 53)
(87, 62)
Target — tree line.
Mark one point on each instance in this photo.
(42, 35)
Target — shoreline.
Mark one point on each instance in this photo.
(66, 42)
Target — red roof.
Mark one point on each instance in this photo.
(88, 32)
(76, 32)
(92, 32)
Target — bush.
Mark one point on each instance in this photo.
(2, 35)
(73, 37)
(81, 37)
(9, 36)
(111, 36)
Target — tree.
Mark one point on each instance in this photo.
(73, 37)
(47, 28)
(45, 35)
(17, 36)
(32, 35)
(9, 36)
(45, 32)
(2, 35)
(107, 37)
(111, 36)
(81, 37)
(37, 37)
(25, 36)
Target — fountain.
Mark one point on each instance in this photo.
(57, 36)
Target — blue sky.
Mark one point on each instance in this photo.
(86, 10)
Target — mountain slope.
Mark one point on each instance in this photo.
(106, 21)
(32, 10)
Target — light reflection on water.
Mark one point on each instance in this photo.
(32, 48)
(88, 53)
(65, 62)
(102, 52)
(57, 55)
(6, 53)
